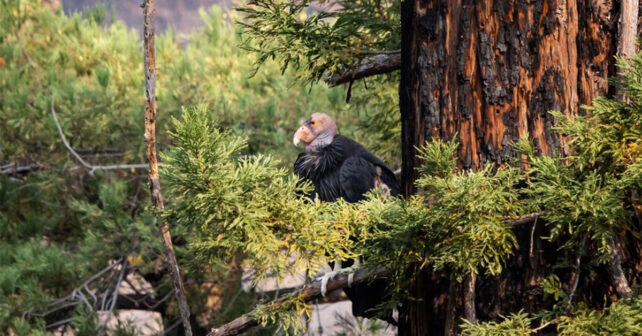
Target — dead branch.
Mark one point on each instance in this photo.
(627, 37)
(308, 292)
(527, 219)
(84, 295)
(149, 9)
(89, 167)
(469, 298)
(381, 63)
(616, 273)
(628, 27)
(13, 169)
(114, 297)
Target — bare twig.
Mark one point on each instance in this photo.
(553, 321)
(89, 167)
(13, 168)
(114, 296)
(81, 293)
(381, 63)
(149, 9)
(308, 292)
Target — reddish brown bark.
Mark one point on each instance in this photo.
(488, 72)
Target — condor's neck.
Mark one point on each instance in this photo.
(320, 160)
(322, 140)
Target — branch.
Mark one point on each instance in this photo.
(627, 29)
(308, 293)
(89, 167)
(527, 219)
(469, 298)
(13, 168)
(382, 63)
(575, 276)
(149, 9)
(616, 273)
(313, 290)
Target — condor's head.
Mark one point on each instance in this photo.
(316, 131)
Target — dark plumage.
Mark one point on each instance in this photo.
(345, 169)
(339, 167)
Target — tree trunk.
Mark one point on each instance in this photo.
(488, 72)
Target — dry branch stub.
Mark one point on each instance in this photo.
(149, 8)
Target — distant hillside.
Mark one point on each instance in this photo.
(182, 15)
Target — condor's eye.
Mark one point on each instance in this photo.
(312, 123)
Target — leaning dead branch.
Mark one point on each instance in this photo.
(372, 65)
(149, 9)
(89, 167)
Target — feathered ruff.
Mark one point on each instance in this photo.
(345, 169)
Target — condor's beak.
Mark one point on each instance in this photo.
(302, 135)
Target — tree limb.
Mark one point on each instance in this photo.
(469, 298)
(381, 63)
(627, 37)
(149, 9)
(89, 167)
(616, 273)
(313, 290)
(308, 292)
(13, 168)
(527, 219)
(627, 29)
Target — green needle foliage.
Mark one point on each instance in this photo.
(591, 192)
(327, 41)
(517, 324)
(248, 207)
(239, 205)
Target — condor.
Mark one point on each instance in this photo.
(339, 167)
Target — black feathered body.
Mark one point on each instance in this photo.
(343, 169)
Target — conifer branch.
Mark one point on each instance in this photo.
(308, 293)
(149, 9)
(312, 291)
(373, 65)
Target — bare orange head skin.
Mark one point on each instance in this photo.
(318, 130)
